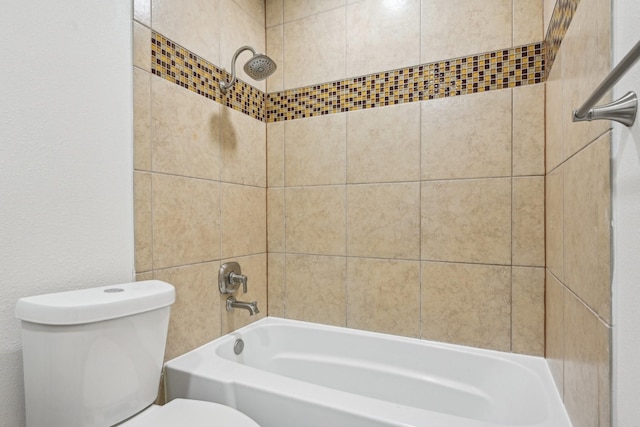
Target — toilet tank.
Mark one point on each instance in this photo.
(93, 357)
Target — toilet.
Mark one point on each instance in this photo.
(93, 357)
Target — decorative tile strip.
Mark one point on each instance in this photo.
(558, 26)
(460, 76)
(184, 68)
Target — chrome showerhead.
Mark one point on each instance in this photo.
(259, 67)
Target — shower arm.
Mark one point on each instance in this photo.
(224, 85)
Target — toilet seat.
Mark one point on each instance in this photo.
(191, 413)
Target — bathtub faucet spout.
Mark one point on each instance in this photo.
(252, 307)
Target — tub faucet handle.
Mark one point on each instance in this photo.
(230, 278)
(236, 279)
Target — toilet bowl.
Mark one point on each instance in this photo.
(93, 358)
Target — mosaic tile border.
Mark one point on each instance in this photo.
(173, 62)
(495, 70)
(500, 69)
(558, 25)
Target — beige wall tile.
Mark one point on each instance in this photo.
(554, 223)
(255, 268)
(467, 304)
(186, 220)
(383, 220)
(315, 150)
(527, 21)
(395, 43)
(244, 148)
(590, 31)
(143, 231)
(480, 26)
(244, 221)
(195, 315)
(586, 367)
(528, 221)
(554, 329)
(275, 220)
(194, 25)
(478, 145)
(315, 289)
(185, 131)
(527, 311)
(528, 130)
(142, 11)
(275, 50)
(275, 284)
(255, 9)
(554, 121)
(296, 9)
(587, 222)
(549, 5)
(315, 220)
(383, 144)
(144, 276)
(315, 48)
(275, 154)
(274, 12)
(467, 221)
(239, 28)
(141, 47)
(384, 296)
(141, 120)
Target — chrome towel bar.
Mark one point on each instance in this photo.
(622, 110)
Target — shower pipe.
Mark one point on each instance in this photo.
(622, 110)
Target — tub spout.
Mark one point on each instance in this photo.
(252, 307)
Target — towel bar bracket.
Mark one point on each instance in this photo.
(622, 110)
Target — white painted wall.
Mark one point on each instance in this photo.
(626, 217)
(66, 203)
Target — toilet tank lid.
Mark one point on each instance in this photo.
(95, 304)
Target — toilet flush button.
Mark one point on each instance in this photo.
(113, 290)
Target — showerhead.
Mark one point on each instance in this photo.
(259, 67)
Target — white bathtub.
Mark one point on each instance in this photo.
(298, 374)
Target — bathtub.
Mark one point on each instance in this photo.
(298, 374)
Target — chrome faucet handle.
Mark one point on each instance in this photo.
(238, 278)
(230, 277)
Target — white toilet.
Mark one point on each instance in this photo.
(93, 357)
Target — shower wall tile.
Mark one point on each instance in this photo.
(586, 62)
(141, 120)
(315, 48)
(315, 220)
(275, 50)
(554, 329)
(195, 315)
(478, 145)
(141, 47)
(384, 296)
(479, 27)
(274, 13)
(315, 150)
(239, 28)
(296, 9)
(383, 220)
(467, 304)
(186, 220)
(144, 276)
(549, 6)
(244, 151)
(554, 210)
(255, 268)
(528, 222)
(142, 11)
(527, 21)
(587, 206)
(195, 24)
(553, 108)
(276, 290)
(528, 130)
(244, 228)
(527, 316)
(275, 220)
(275, 155)
(467, 221)
(316, 289)
(185, 132)
(143, 230)
(383, 144)
(254, 8)
(395, 43)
